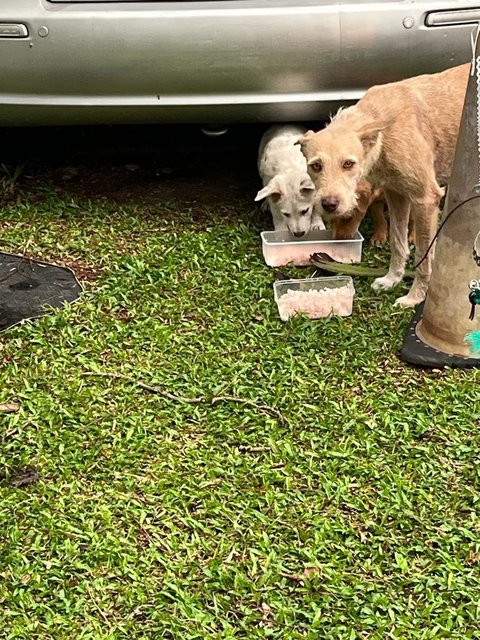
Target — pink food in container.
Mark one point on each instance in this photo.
(315, 297)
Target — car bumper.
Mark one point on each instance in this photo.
(223, 61)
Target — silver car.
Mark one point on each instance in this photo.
(215, 61)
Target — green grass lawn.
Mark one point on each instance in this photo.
(349, 511)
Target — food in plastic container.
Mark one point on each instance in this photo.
(314, 297)
(281, 248)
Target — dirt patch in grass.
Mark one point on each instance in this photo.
(83, 272)
(147, 165)
(146, 183)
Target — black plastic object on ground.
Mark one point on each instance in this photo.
(416, 352)
(29, 288)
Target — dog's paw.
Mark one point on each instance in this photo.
(378, 238)
(408, 301)
(387, 282)
(317, 224)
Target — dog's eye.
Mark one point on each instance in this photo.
(304, 212)
(348, 164)
(316, 166)
(287, 215)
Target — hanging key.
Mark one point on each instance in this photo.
(474, 296)
(476, 247)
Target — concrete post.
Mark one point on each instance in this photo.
(445, 324)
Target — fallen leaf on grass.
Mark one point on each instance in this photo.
(312, 572)
(308, 574)
(266, 613)
(9, 407)
(21, 476)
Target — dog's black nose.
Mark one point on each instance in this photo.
(329, 204)
(298, 234)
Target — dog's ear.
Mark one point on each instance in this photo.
(305, 138)
(369, 135)
(306, 185)
(272, 189)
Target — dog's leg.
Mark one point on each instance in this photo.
(425, 217)
(380, 226)
(411, 231)
(317, 223)
(279, 222)
(399, 210)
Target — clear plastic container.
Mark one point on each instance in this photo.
(314, 297)
(281, 248)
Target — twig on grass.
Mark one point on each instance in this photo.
(292, 576)
(263, 408)
(97, 607)
(247, 448)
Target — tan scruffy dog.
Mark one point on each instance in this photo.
(401, 137)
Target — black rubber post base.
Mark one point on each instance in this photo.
(29, 288)
(416, 352)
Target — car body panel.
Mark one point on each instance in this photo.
(215, 61)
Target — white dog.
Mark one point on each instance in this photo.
(286, 183)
